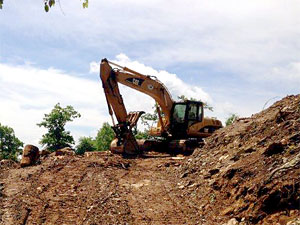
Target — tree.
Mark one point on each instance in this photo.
(233, 117)
(205, 104)
(57, 137)
(148, 119)
(104, 137)
(10, 145)
(141, 134)
(85, 144)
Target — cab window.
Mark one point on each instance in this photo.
(200, 113)
(179, 113)
(192, 112)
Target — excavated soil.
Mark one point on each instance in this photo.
(246, 173)
(100, 188)
(249, 170)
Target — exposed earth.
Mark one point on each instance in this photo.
(246, 173)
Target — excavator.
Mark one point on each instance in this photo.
(181, 125)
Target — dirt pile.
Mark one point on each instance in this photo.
(97, 188)
(249, 170)
(247, 173)
(65, 189)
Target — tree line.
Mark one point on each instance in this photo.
(58, 137)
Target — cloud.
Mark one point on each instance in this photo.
(233, 34)
(288, 74)
(27, 93)
(175, 85)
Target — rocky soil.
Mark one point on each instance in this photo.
(246, 173)
(250, 170)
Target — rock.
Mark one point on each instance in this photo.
(284, 141)
(181, 187)
(273, 148)
(65, 151)
(232, 221)
(30, 155)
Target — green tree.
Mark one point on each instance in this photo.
(233, 117)
(104, 137)
(10, 145)
(205, 104)
(85, 144)
(148, 119)
(140, 134)
(57, 137)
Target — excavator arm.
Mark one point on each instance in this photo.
(145, 84)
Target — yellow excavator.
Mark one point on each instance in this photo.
(181, 126)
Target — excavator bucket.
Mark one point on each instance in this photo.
(125, 142)
(126, 145)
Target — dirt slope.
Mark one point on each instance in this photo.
(249, 171)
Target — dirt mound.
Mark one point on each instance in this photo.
(97, 188)
(247, 173)
(251, 169)
(65, 189)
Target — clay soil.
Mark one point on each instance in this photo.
(249, 172)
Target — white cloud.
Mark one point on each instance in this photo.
(236, 34)
(175, 85)
(289, 74)
(244, 39)
(27, 93)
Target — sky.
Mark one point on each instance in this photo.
(235, 54)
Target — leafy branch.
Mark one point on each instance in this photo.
(51, 3)
(205, 104)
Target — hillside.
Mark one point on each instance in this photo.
(250, 170)
(246, 173)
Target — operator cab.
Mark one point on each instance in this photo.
(183, 115)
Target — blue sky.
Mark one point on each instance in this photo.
(234, 54)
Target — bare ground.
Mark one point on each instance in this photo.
(99, 189)
(249, 172)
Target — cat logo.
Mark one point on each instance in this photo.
(135, 81)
